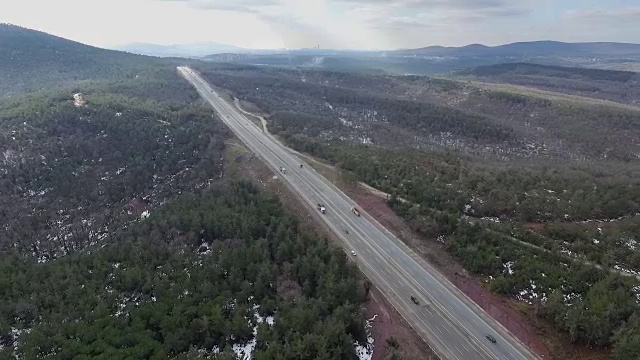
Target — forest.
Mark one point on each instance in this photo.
(433, 114)
(533, 227)
(208, 274)
(122, 238)
(74, 173)
(439, 191)
(619, 86)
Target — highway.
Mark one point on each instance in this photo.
(452, 324)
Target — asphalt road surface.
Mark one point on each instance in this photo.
(451, 323)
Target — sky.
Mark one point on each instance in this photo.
(337, 24)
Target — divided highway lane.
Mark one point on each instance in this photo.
(455, 327)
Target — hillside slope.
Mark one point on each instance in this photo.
(31, 60)
(620, 86)
(535, 197)
(123, 238)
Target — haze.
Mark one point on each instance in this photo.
(339, 24)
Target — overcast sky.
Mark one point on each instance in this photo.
(362, 24)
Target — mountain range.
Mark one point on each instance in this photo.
(532, 48)
(194, 50)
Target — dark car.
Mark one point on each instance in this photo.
(415, 301)
(491, 339)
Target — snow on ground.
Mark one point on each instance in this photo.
(204, 248)
(345, 122)
(15, 339)
(530, 294)
(636, 292)
(508, 266)
(620, 268)
(78, 100)
(244, 351)
(365, 352)
(568, 299)
(631, 243)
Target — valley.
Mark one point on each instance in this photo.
(544, 204)
(497, 202)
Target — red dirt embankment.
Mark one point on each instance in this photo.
(389, 323)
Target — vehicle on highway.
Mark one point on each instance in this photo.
(355, 211)
(415, 301)
(321, 208)
(283, 170)
(300, 166)
(346, 231)
(491, 339)
(353, 253)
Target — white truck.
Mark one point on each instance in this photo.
(321, 208)
(283, 170)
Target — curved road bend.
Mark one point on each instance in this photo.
(452, 324)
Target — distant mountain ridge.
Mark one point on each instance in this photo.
(194, 50)
(531, 48)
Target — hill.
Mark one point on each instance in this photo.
(123, 236)
(194, 50)
(533, 197)
(32, 60)
(533, 48)
(439, 59)
(620, 86)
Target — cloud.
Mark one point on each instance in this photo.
(241, 6)
(363, 24)
(606, 15)
(433, 3)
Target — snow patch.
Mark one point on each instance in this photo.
(78, 100)
(345, 122)
(621, 269)
(245, 351)
(636, 292)
(365, 352)
(530, 294)
(631, 243)
(508, 267)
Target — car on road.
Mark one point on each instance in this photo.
(415, 301)
(355, 211)
(353, 253)
(491, 339)
(321, 208)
